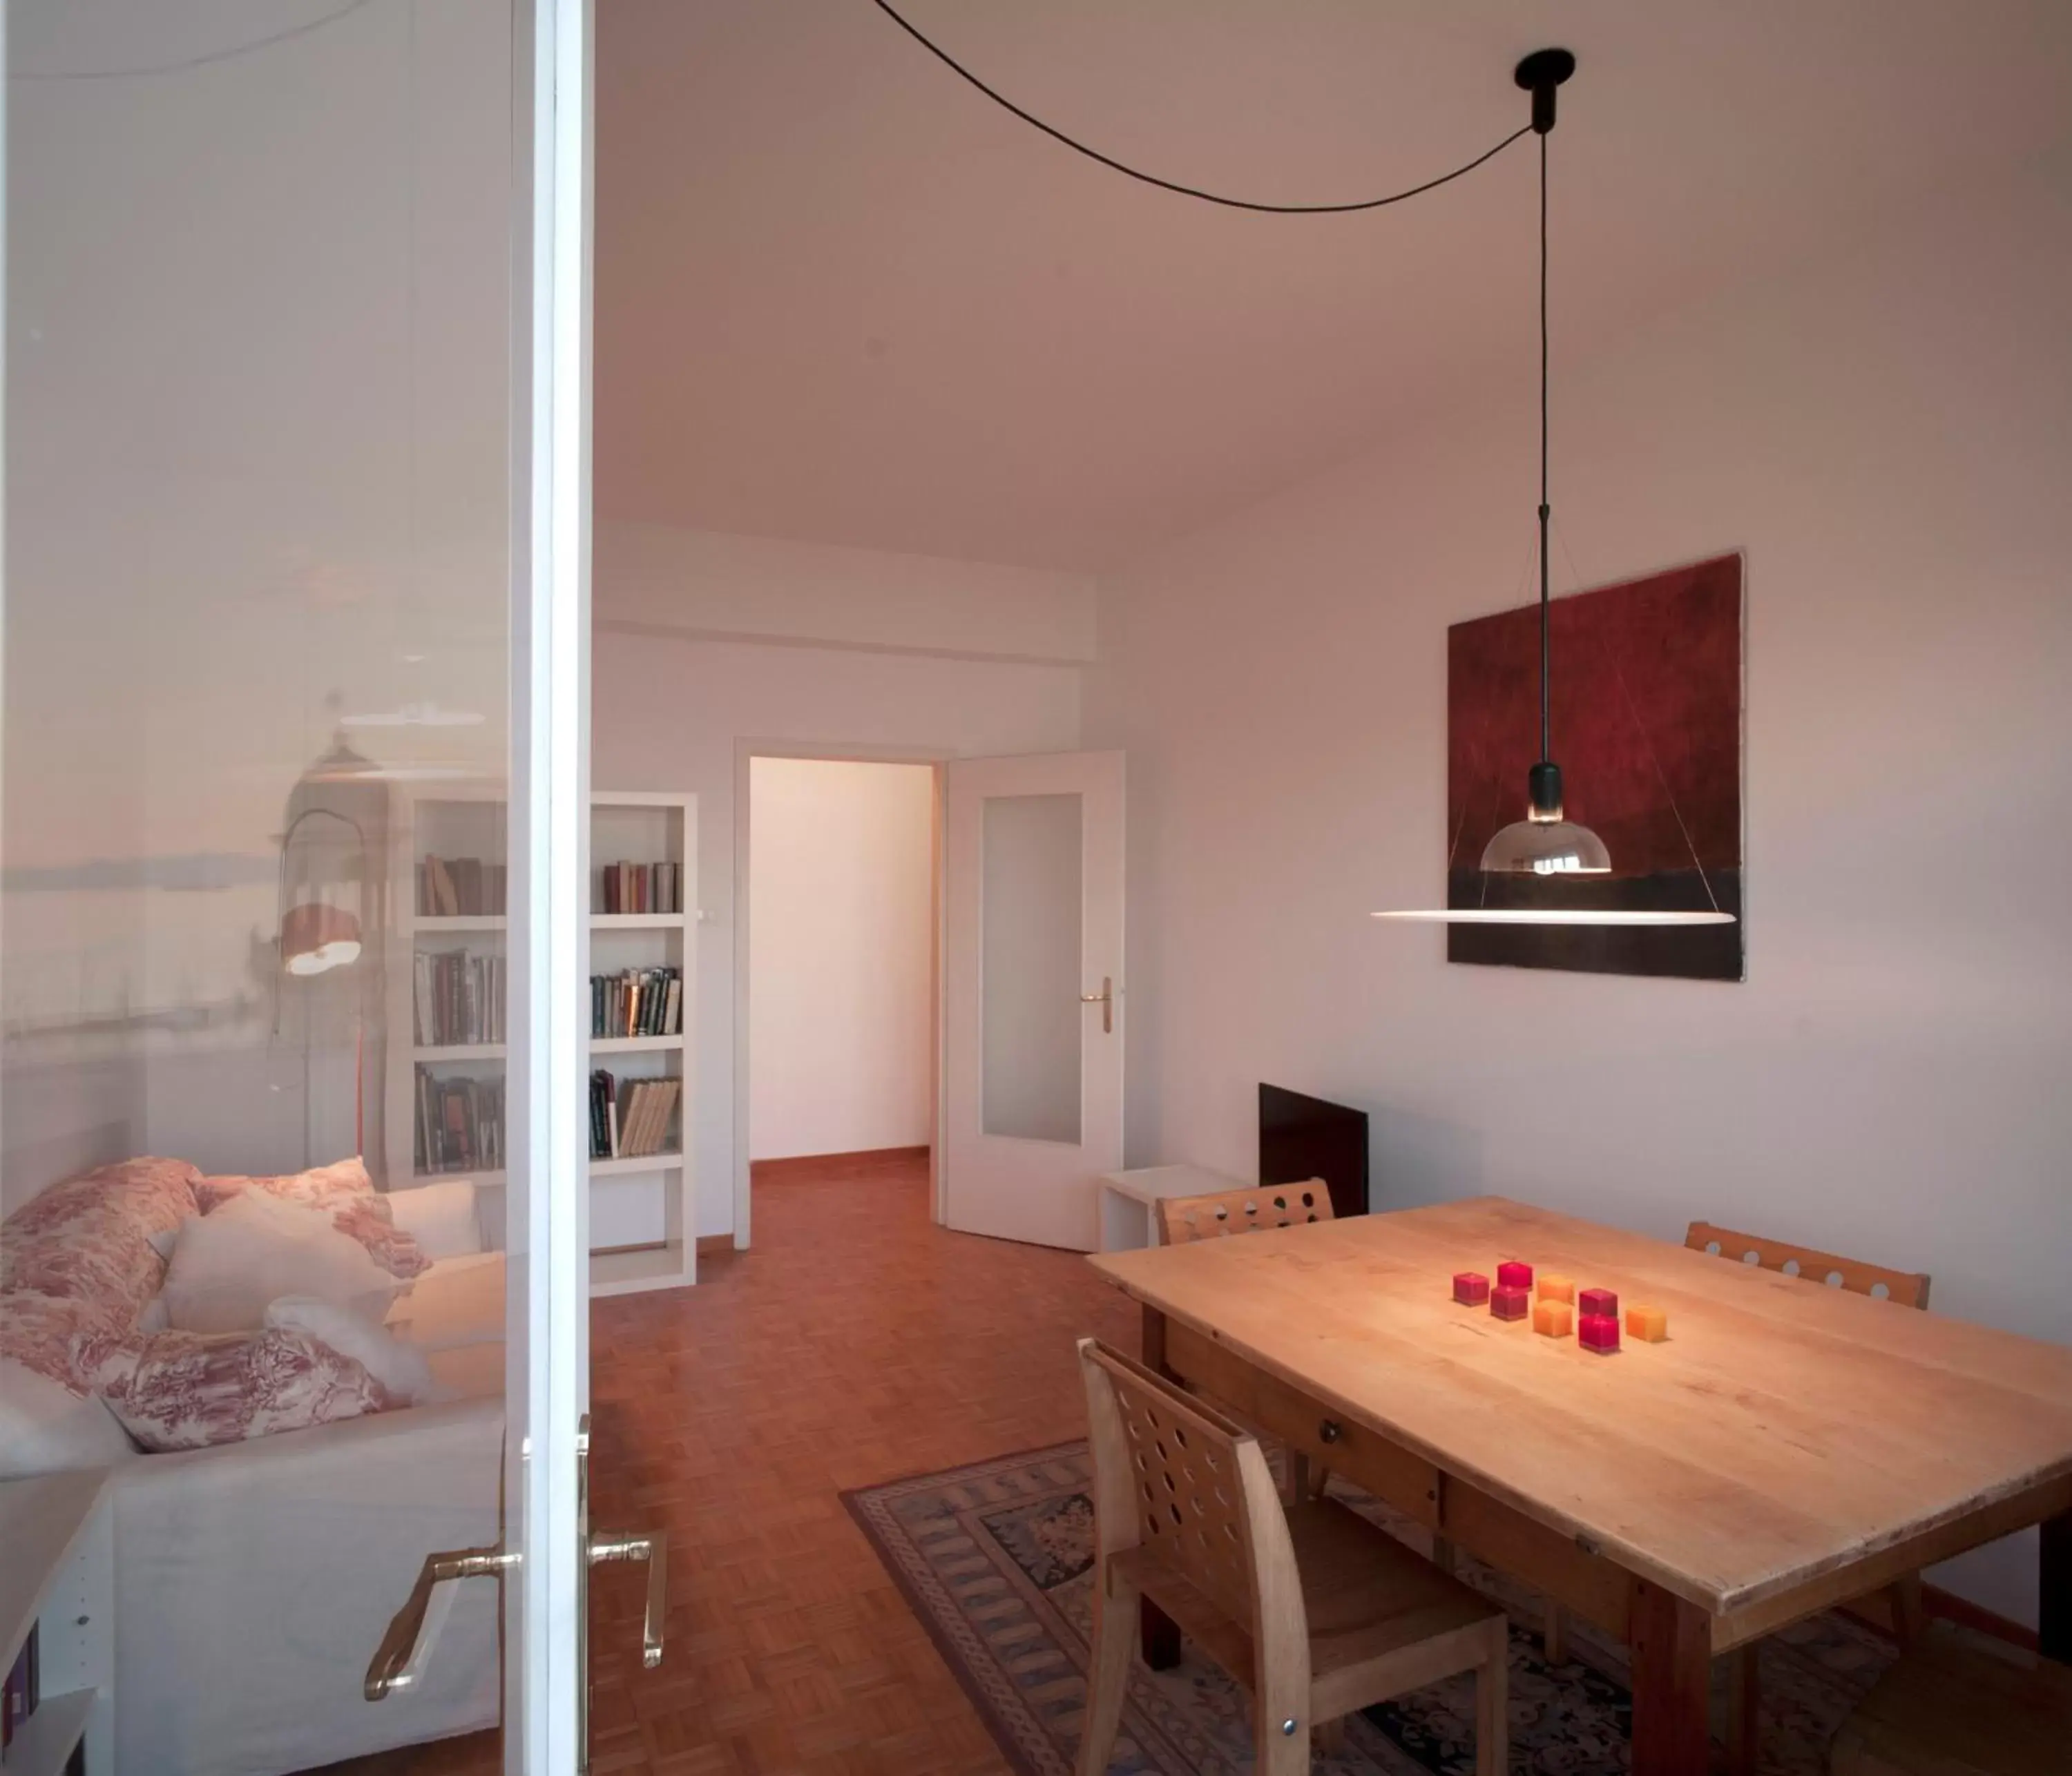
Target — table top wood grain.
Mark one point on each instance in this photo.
(1784, 1429)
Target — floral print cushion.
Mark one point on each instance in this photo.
(357, 1209)
(89, 1238)
(42, 1332)
(191, 1390)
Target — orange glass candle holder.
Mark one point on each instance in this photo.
(1649, 1325)
(1509, 1303)
(1558, 1288)
(1470, 1288)
(1553, 1319)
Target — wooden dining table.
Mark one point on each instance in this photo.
(1787, 1448)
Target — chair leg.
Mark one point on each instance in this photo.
(1117, 1606)
(1909, 1611)
(1555, 1633)
(1493, 1705)
(1743, 1710)
(1298, 1476)
(1442, 1554)
(1276, 1753)
(1331, 1736)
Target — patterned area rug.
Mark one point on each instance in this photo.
(995, 1560)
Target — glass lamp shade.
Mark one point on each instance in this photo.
(316, 938)
(1539, 846)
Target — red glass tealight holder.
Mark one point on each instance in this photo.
(1598, 1332)
(1510, 1302)
(1470, 1288)
(1598, 1304)
(1511, 1274)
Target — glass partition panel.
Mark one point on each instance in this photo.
(1030, 917)
(256, 734)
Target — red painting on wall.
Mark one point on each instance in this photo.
(1647, 728)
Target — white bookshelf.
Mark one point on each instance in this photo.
(60, 1573)
(642, 1214)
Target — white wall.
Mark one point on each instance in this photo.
(673, 708)
(841, 948)
(1886, 433)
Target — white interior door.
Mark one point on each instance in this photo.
(1034, 981)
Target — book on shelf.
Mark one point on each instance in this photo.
(460, 1123)
(629, 1119)
(461, 887)
(637, 1002)
(459, 998)
(21, 1692)
(641, 888)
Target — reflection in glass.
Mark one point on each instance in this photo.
(1030, 919)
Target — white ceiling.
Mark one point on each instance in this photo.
(842, 297)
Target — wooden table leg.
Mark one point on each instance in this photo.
(2054, 1602)
(1672, 1660)
(1158, 1634)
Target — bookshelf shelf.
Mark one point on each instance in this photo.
(47, 1739)
(448, 848)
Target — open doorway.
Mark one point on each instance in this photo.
(840, 1025)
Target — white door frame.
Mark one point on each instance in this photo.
(547, 1380)
(842, 752)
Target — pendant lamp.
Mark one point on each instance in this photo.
(1547, 843)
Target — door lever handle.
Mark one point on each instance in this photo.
(1105, 999)
(654, 1548)
(399, 1659)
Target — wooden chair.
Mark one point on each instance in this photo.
(1952, 1708)
(1183, 1219)
(1314, 1609)
(1908, 1289)
(1220, 1214)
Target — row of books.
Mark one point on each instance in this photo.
(460, 1123)
(637, 1002)
(457, 887)
(641, 888)
(459, 998)
(630, 1119)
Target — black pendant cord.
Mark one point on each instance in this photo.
(1546, 510)
(1006, 104)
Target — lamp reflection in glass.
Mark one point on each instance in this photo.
(315, 939)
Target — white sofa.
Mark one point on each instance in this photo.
(255, 1579)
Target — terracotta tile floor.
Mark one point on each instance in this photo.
(857, 1342)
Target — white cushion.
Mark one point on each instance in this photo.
(45, 1428)
(440, 1217)
(458, 1302)
(399, 1367)
(227, 1267)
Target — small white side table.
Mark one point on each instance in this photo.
(1129, 1200)
(59, 1572)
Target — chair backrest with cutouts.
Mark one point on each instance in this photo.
(1183, 1219)
(1174, 1479)
(1908, 1288)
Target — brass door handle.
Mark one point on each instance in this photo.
(396, 1660)
(653, 1548)
(1105, 999)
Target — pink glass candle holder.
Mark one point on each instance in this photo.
(1598, 1332)
(1470, 1288)
(1511, 1274)
(1510, 1302)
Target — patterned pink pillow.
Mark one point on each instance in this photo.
(42, 1332)
(188, 1390)
(358, 1210)
(89, 1238)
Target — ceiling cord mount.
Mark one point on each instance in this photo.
(1077, 146)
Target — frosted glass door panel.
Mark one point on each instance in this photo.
(1031, 922)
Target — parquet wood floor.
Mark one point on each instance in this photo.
(857, 1343)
